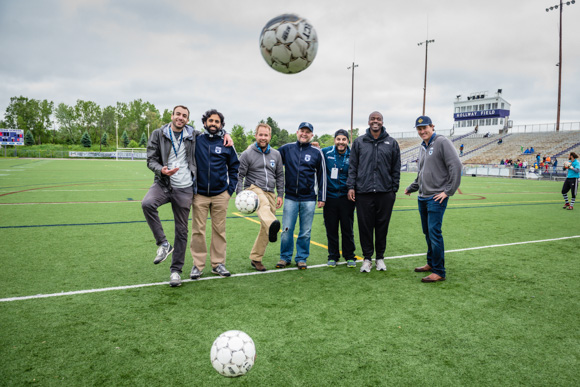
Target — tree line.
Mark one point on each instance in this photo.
(86, 123)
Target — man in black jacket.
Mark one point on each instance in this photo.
(373, 179)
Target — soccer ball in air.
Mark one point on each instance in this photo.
(288, 43)
(233, 353)
(247, 202)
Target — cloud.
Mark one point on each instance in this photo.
(206, 55)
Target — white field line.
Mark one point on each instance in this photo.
(76, 292)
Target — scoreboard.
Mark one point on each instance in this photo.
(11, 137)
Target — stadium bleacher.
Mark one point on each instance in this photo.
(479, 149)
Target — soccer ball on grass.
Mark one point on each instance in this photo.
(233, 353)
(288, 43)
(247, 202)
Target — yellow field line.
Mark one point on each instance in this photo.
(295, 236)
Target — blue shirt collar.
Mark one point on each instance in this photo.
(260, 149)
(430, 141)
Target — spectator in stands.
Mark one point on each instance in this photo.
(527, 151)
(521, 149)
(500, 141)
(525, 164)
(571, 182)
(461, 150)
(555, 163)
(501, 162)
(538, 158)
(532, 150)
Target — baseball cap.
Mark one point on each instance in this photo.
(423, 121)
(342, 132)
(306, 125)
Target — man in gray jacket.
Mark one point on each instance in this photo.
(438, 178)
(261, 171)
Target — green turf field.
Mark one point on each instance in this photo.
(508, 313)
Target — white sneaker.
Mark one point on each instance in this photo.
(175, 279)
(366, 266)
(380, 265)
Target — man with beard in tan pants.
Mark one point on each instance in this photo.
(217, 177)
(261, 171)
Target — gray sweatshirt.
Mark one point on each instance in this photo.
(264, 170)
(439, 168)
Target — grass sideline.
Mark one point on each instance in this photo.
(506, 316)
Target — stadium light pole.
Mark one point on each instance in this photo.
(351, 97)
(426, 42)
(559, 64)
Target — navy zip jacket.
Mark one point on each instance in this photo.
(304, 171)
(337, 188)
(217, 165)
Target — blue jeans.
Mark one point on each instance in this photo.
(431, 220)
(292, 210)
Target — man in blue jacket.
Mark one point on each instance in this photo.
(217, 177)
(338, 210)
(373, 181)
(304, 173)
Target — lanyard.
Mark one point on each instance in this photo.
(172, 144)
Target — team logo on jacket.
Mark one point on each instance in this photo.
(430, 151)
(307, 158)
(218, 149)
(273, 163)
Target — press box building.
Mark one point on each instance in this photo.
(488, 113)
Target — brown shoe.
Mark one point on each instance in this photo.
(432, 278)
(302, 265)
(282, 264)
(258, 266)
(422, 269)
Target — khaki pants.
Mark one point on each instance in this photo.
(267, 214)
(217, 206)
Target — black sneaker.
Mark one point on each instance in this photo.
(221, 271)
(162, 253)
(195, 273)
(273, 231)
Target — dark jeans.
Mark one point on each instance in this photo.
(180, 199)
(339, 211)
(373, 211)
(431, 220)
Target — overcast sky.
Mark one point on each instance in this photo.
(205, 54)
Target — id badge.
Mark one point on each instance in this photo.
(334, 173)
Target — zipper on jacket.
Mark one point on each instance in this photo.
(375, 170)
(208, 167)
(298, 174)
(265, 170)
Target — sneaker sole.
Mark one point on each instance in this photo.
(221, 275)
(158, 262)
(273, 231)
(278, 266)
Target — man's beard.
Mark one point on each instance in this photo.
(212, 129)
